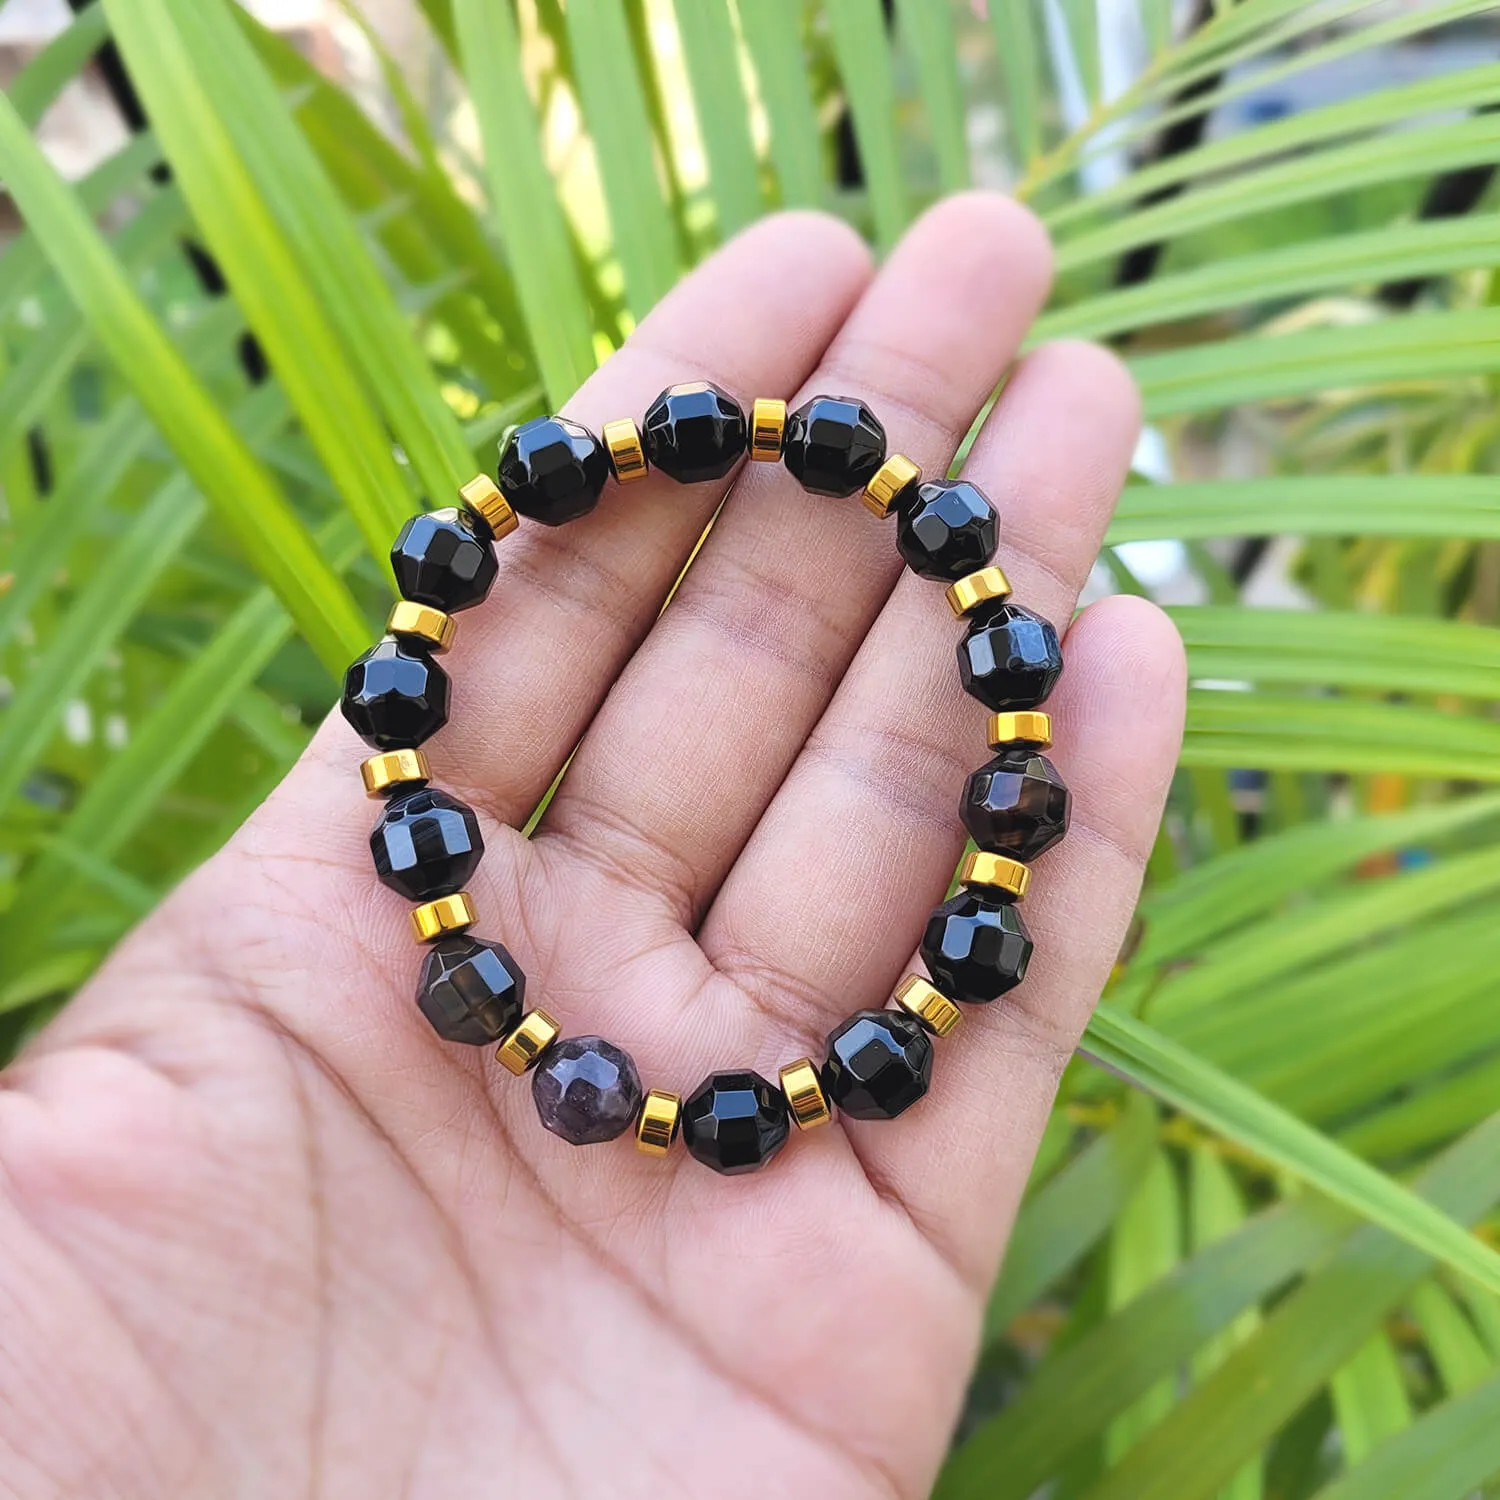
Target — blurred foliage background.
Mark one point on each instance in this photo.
(295, 298)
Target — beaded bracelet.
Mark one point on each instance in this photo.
(427, 843)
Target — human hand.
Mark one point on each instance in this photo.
(263, 1233)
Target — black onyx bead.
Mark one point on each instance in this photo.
(553, 470)
(444, 559)
(976, 947)
(471, 990)
(1010, 658)
(694, 432)
(426, 844)
(395, 696)
(735, 1122)
(834, 445)
(586, 1090)
(1015, 805)
(879, 1064)
(946, 529)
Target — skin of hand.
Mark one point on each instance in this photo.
(263, 1233)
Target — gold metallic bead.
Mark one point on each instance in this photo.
(804, 1094)
(656, 1129)
(893, 476)
(435, 919)
(767, 429)
(1026, 728)
(422, 621)
(395, 768)
(482, 495)
(995, 872)
(987, 586)
(931, 1007)
(523, 1048)
(627, 455)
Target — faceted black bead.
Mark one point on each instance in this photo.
(586, 1090)
(879, 1064)
(735, 1122)
(553, 470)
(1010, 659)
(471, 990)
(1015, 805)
(834, 445)
(395, 696)
(976, 947)
(694, 432)
(946, 529)
(444, 559)
(426, 844)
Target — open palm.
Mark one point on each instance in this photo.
(262, 1233)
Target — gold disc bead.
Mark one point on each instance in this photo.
(482, 495)
(656, 1128)
(434, 919)
(767, 430)
(1006, 877)
(987, 586)
(421, 623)
(627, 454)
(804, 1094)
(395, 768)
(1025, 728)
(932, 1009)
(897, 474)
(523, 1048)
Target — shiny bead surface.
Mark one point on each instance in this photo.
(394, 770)
(1028, 727)
(976, 947)
(999, 874)
(767, 429)
(735, 1122)
(879, 1064)
(482, 496)
(586, 1090)
(888, 487)
(470, 990)
(395, 696)
(528, 1043)
(444, 559)
(1011, 659)
(946, 530)
(1017, 804)
(426, 844)
(804, 1094)
(553, 470)
(443, 915)
(834, 445)
(976, 593)
(627, 454)
(421, 625)
(927, 1005)
(695, 432)
(661, 1114)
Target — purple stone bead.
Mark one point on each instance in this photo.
(586, 1090)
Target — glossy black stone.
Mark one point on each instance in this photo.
(1017, 804)
(586, 1090)
(694, 432)
(471, 990)
(426, 844)
(735, 1122)
(1010, 658)
(879, 1064)
(445, 559)
(834, 445)
(976, 947)
(553, 470)
(946, 529)
(395, 696)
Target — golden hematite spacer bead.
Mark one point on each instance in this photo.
(395, 768)
(987, 586)
(933, 1009)
(627, 454)
(482, 495)
(1025, 728)
(421, 622)
(893, 476)
(656, 1129)
(523, 1048)
(767, 429)
(804, 1094)
(996, 873)
(434, 919)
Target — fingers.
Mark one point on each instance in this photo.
(699, 732)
